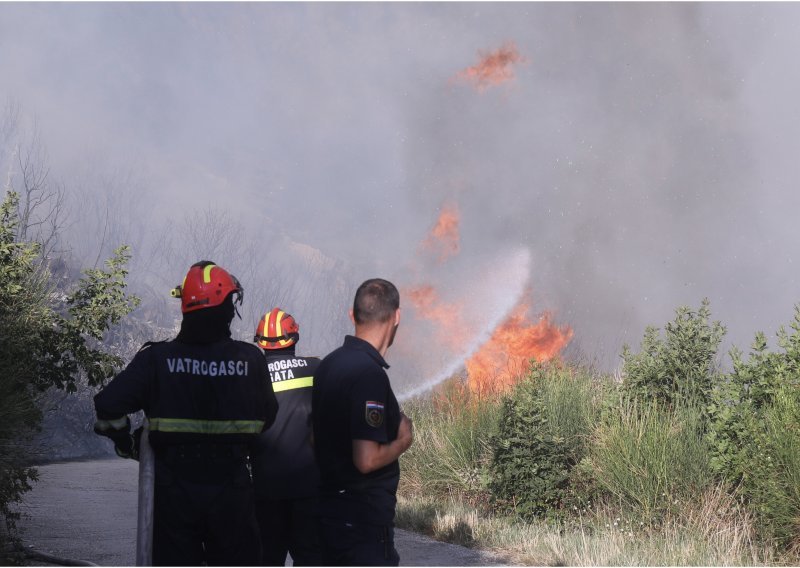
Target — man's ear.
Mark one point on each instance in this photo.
(352, 317)
(397, 316)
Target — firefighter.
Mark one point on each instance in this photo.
(207, 398)
(284, 471)
(359, 434)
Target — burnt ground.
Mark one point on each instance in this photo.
(87, 511)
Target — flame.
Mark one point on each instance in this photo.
(444, 238)
(446, 317)
(506, 356)
(494, 68)
(500, 362)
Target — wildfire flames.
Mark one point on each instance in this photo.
(501, 360)
(494, 68)
(444, 238)
(445, 316)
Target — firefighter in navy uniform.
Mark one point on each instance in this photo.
(285, 474)
(359, 434)
(207, 398)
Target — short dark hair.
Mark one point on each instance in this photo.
(376, 301)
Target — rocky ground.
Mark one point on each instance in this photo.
(87, 511)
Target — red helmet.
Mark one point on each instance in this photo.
(277, 330)
(206, 285)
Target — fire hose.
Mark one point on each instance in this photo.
(30, 554)
(144, 526)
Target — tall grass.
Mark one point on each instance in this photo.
(452, 429)
(571, 402)
(651, 458)
(775, 487)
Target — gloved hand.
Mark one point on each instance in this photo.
(125, 446)
(119, 432)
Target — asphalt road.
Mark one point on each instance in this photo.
(87, 511)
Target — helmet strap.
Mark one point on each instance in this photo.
(238, 301)
(288, 337)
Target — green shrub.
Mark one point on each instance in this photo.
(738, 402)
(48, 340)
(681, 365)
(768, 466)
(542, 434)
(753, 428)
(651, 450)
(650, 458)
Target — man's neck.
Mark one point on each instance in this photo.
(285, 352)
(377, 335)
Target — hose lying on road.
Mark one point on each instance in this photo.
(31, 554)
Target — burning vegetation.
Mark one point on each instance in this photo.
(494, 68)
(506, 354)
(502, 360)
(445, 316)
(444, 238)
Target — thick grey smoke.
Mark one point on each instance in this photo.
(643, 154)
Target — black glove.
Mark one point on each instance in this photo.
(137, 442)
(125, 446)
(120, 434)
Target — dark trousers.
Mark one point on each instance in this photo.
(289, 525)
(350, 544)
(210, 520)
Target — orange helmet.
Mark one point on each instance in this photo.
(206, 285)
(277, 330)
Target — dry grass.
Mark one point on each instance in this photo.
(712, 532)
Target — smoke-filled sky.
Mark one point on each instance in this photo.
(643, 154)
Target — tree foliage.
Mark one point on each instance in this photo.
(750, 419)
(50, 339)
(529, 471)
(754, 419)
(543, 430)
(679, 365)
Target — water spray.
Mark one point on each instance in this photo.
(499, 290)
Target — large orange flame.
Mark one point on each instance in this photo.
(502, 360)
(444, 238)
(494, 68)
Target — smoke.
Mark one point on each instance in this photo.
(642, 156)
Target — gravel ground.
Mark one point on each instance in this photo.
(87, 511)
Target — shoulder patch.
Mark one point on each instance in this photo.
(374, 413)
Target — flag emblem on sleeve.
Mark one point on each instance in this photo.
(374, 413)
